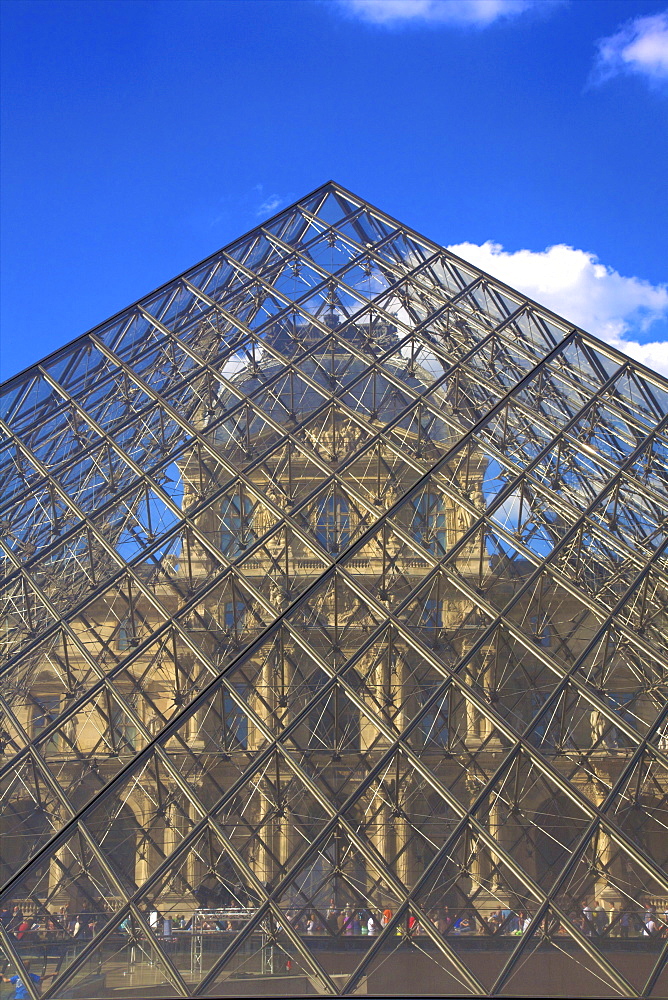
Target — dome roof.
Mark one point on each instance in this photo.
(287, 398)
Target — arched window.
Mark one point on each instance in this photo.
(236, 532)
(333, 523)
(435, 723)
(431, 614)
(234, 615)
(430, 524)
(123, 732)
(234, 721)
(123, 636)
(46, 709)
(541, 631)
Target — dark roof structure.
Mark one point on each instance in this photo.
(335, 620)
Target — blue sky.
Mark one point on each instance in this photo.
(140, 137)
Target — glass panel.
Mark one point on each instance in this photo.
(334, 637)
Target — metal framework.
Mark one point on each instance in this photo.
(335, 594)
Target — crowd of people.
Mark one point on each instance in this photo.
(46, 926)
(593, 919)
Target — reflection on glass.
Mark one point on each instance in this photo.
(235, 766)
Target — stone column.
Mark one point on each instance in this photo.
(473, 717)
(143, 851)
(263, 866)
(474, 859)
(171, 838)
(405, 868)
(61, 891)
(607, 861)
(496, 825)
(379, 690)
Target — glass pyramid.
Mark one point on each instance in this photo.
(334, 636)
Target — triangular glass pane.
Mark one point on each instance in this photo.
(31, 813)
(640, 809)
(103, 728)
(465, 905)
(443, 619)
(659, 986)
(25, 615)
(126, 960)
(578, 729)
(611, 889)
(68, 887)
(17, 474)
(334, 618)
(645, 611)
(199, 903)
(403, 818)
(36, 523)
(422, 433)
(329, 208)
(282, 566)
(412, 952)
(329, 738)
(377, 398)
(162, 679)
(642, 398)
(334, 436)
(270, 956)
(50, 670)
(287, 475)
(553, 945)
(225, 621)
(534, 821)
(387, 566)
(142, 819)
(116, 623)
(335, 518)
(273, 820)
(243, 436)
(337, 889)
(649, 467)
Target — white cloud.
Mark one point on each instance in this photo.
(478, 13)
(641, 46)
(269, 206)
(576, 285)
